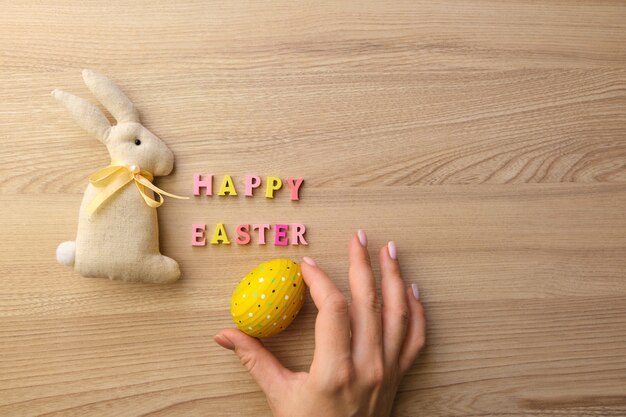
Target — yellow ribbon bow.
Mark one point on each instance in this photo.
(112, 178)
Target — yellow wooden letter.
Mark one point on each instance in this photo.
(219, 235)
(228, 186)
(273, 184)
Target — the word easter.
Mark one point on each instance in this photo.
(244, 232)
(227, 186)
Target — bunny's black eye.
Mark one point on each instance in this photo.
(137, 142)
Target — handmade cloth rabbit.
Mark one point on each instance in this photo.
(118, 232)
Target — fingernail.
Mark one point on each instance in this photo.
(416, 291)
(362, 237)
(309, 261)
(391, 247)
(224, 342)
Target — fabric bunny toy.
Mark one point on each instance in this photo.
(118, 232)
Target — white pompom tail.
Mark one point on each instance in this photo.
(66, 252)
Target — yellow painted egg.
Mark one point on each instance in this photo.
(268, 299)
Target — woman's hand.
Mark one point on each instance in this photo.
(362, 349)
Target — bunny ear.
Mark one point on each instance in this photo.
(110, 95)
(85, 114)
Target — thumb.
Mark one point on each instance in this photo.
(263, 366)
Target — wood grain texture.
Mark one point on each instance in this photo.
(485, 137)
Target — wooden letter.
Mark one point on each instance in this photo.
(262, 228)
(252, 182)
(273, 184)
(228, 186)
(243, 235)
(295, 187)
(219, 235)
(197, 234)
(280, 237)
(198, 183)
(297, 234)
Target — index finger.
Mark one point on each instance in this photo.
(332, 326)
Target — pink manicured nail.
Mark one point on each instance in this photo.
(309, 261)
(391, 247)
(224, 342)
(416, 291)
(362, 237)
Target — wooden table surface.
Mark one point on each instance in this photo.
(487, 138)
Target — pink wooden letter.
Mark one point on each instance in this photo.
(280, 237)
(197, 234)
(262, 228)
(252, 182)
(297, 234)
(198, 183)
(295, 187)
(243, 237)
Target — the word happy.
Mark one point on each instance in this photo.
(280, 234)
(252, 182)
